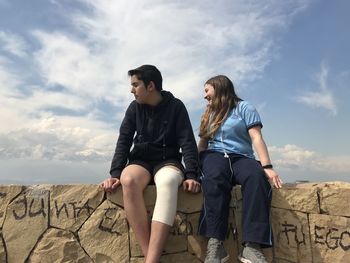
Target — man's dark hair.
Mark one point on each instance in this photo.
(148, 73)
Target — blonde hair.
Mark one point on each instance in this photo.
(225, 99)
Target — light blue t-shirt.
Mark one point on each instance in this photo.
(233, 136)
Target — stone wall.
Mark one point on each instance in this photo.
(80, 223)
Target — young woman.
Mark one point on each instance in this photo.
(229, 129)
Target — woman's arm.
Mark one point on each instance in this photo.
(202, 145)
(263, 154)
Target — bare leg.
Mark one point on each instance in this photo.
(134, 180)
(167, 181)
(159, 235)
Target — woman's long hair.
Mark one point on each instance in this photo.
(225, 99)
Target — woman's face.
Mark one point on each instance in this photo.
(209, 93)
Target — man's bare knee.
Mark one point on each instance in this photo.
(127, 181)
(134, 178)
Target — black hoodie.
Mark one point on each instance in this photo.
(160, 133)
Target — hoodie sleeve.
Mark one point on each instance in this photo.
(125, 139)
(187, 143)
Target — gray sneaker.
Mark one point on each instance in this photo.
(252, 254)
(216, 252)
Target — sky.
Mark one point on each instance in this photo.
(64, 86)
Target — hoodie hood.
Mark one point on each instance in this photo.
(167, 97)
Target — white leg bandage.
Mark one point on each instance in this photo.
(167, 180)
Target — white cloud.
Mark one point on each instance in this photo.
(13, 44)
(335, 164)
(57, 100)
(30, 130)
(8, 79)
(189, 42)
(65, 138)
(322, 97)
(22, 111)
(71, 64)
(293, 157)
(24, 105)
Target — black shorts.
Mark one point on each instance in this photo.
(154, 166)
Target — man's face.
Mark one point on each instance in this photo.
(139, 90)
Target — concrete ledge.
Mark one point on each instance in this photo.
(80, 223)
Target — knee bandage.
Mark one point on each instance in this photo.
(167, 180)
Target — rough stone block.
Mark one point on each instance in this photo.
(231, 242)
(71, 205)
(2, 249)
(279, 260)
(104, 236)
(291, 235)
(177, 241)
(116, 197)
(197, 245)
(26, 220)
(236, 193)
(301, 198)
(7, 193)
(149, 196)
(137, 260)
(334, 198)
(184, 257)
(237, 213)
(330, 237)
(189, 202)
(268, 252)
(58, 246)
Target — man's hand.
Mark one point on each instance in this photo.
(110, 184)
(191, 185)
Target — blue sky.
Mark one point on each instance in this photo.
(64, 84)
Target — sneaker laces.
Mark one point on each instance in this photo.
(213, 248)
(259, 255)
(256, 250)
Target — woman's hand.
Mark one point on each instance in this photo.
(273, 178)
(191, 185)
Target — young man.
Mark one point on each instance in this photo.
(162, 127)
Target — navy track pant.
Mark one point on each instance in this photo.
(219, 175)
